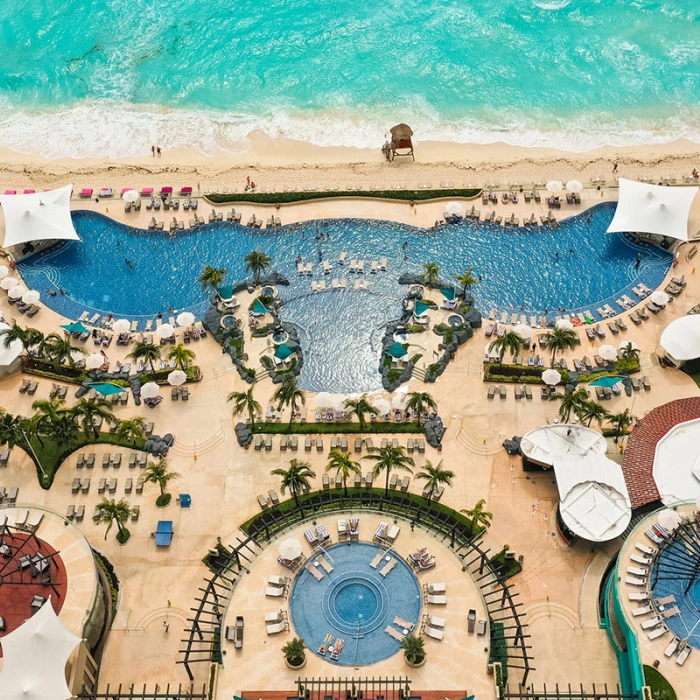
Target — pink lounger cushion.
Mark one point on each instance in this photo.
(147, 190)
(186, 190)
(29, 191)
(166, 190)
(10, 191)
(86, 193)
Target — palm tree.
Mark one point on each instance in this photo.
(86, 411)
(593, 411)
(413, 649)
(245, 401)
(60, 348)
(257, 263)
(629, 352)
(509, 342)
(434, 476)
(466, 279)
(158, 473)
(359, 407)
(110, 512)
(132, 429)
(560, 339)
(479, 517)
(48, 412)
(182, 355)
(212, 277)
(388, 459)
(145, 352)
(621, 421)
(296, 479)
(419, 401)
(12, 429)
(340, 463)
(289, 394)
(571, 402)
(14, 332)
(62, 429)
(431, 273)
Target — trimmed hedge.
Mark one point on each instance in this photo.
(335, 428)
(660, 688)
(290, 197)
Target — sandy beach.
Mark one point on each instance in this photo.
(279, 164)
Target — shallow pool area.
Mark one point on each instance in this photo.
(534, 271)
(355, 603)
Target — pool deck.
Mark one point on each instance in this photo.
(559, 584)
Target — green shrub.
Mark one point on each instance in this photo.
(411, 328)
(160, 376)
(660, 688)
(109, 572)
(288, 197)
(377, 428)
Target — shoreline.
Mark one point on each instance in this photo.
(281, 164)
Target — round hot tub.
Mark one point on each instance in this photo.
(280, 336)
(228, 321)
(456, 321)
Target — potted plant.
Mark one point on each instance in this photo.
(294, 655)
(413, 651)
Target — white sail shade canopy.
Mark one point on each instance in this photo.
(681, 338)
(41, 216)
(644, 208)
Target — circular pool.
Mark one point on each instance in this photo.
(280, 336)
(355, 603)
(269, 291)
(228, 321)
(456, 321)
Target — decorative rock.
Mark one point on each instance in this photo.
(244, 434)
(434, 431)
(512, 447)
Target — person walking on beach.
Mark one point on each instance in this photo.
(153, 151)
(158, 150)
(614, 167)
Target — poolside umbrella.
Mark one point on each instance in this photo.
(77, 354)
(290, 549)
(660, 298)
(525, 332)
(130, 196)
(150, 390)
(121, 325)
(75, 327)
(165, 331)
(551, 377)
(283, 351)
(107, 388)
(564, 323)
(185, 319)
(397, 350)
(399, 400)
(9, 282)
(259, 307)
(401, 131)
(323, 399)
(668, 519)
(448, 293)
(94, 360)
(628, 344)
(574, 186)
(421, 307)
(4, 271)
(382, 406)
(17, 292)
(31, 297)
(454, 209)
(608, 352)
(177, 377)
(554, 186)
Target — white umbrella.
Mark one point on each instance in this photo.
(165, 331)
(382, 405)
(130, 196)
(628, 343)
(454, 209)
(31, 297)
(177, 377)
(564, 323)
(121, 325)
(554, 186)
(607, 352)
(185, 318)
(94, 361)
(9, 282)
(574, 186)
(660, 298)
(551, 377)
(17, 291)
(290, 549)
(77, 354)
(4, 271)
(525, 332)
(399, 400)
(323, 399)
(668, 519)
(150, 390)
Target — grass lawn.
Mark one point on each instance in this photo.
(661, 689)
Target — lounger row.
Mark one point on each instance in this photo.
(8, 497)
(520, 392)
(26, 520)
(135, 459)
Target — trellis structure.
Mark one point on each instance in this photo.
(354, 688)
(567, 693)
(157, 692)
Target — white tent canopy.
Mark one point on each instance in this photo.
(35, 657)
(41, 216)
(677, 464)
(544, 445)
(681, 338)
(644, 208)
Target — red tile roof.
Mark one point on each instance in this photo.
(641, 447)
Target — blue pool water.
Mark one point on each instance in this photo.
(355, 603)
(341, 330)
(568, 73)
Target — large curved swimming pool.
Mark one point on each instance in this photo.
(576, 266)
(355, 603)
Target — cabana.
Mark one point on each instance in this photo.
(397, 350)
(283, 352)
(34, 221)
(259, 308)
(653, 209)
(681, 339)
(401, 143)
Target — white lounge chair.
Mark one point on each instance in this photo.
(436, 599)
(274, 592)
(433, 621)
(433, 633)
(276, 627)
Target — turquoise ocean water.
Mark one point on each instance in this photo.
(106, 78)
